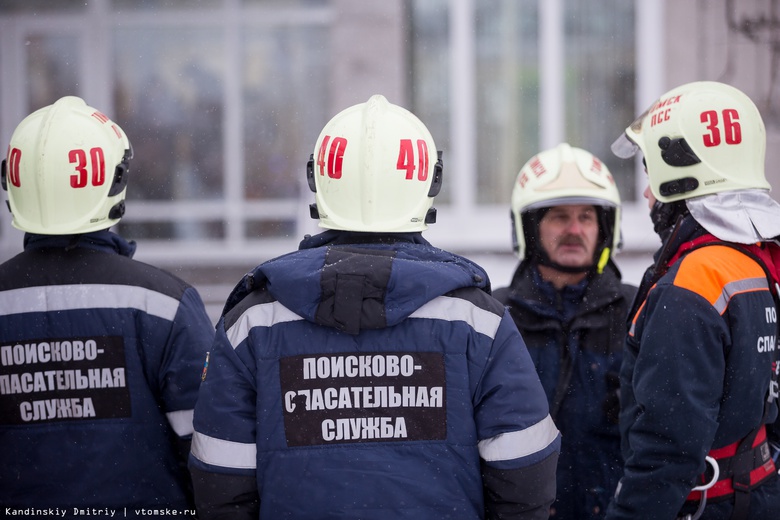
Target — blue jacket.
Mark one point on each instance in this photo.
(100, 363)
(695, 378)
(575, 336)
(370, 377)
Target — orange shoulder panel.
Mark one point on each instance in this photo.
(715, 272)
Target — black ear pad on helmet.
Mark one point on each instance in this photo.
(677, 152)
(3, 175)
(530, 222)
(606, 217)
(310, 174)
(120, 174)
(117, 211)
(438, 171)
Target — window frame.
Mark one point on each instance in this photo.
(463, 226)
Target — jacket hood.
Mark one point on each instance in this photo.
(358, 281)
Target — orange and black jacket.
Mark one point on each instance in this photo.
(696, 374)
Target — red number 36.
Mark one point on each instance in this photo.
(731, 129)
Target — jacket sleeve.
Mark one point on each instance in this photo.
(519, 442)
(223, 459)
(520, 493)
(190, 337)
(225, 497)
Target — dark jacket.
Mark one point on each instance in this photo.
(695, 378)
(100, 362)
(575, 337)
(370, 377)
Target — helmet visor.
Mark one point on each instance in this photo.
(624, 147)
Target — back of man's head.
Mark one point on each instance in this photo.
(375, 169)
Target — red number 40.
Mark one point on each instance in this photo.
(406, 160)
(732, 131)
(335, 156)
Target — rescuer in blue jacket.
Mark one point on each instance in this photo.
(100, 355)
(567, 299)
(369, 374)
(699, 378)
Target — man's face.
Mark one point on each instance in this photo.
(650, 197)
(648, 194)
(569, 234)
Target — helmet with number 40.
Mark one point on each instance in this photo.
(700, 138)
(66, 170)
(375, 169)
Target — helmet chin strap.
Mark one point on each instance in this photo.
(664, 215)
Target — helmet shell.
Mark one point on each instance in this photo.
(61, 170)
(701, 138)
(374, 169)
(564, 175)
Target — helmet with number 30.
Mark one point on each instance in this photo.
(66, 170)
(700, 138)
(375, 169)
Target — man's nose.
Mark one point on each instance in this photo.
(573, 226)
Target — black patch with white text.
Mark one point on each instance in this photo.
(356, 398)
(46, 380)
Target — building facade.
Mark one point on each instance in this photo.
(223, 100)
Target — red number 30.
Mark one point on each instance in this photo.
(79, 158)
(732, 131)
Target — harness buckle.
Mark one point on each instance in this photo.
(703, 488)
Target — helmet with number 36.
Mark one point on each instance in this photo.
(375, 169)
(698, 139)
(66, 170)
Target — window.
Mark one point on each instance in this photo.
(223, 101)
(497, 81)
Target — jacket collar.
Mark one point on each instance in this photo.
(528, 289)
(103, 240)
(336, 237)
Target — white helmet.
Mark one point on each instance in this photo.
(564, 175)
(697, 139)
(375, 169)
(66, 170)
